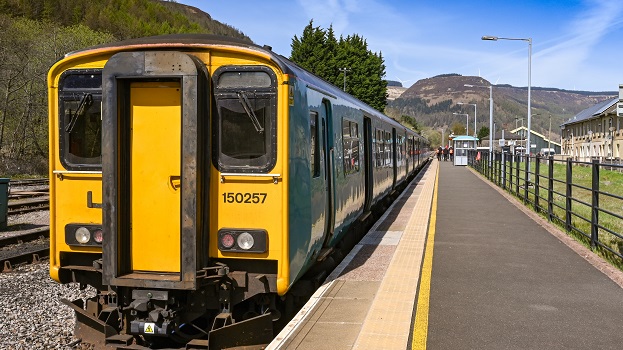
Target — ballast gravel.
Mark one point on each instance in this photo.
(31, 313)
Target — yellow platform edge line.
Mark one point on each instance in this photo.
(420, 328)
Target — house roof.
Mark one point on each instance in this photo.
(592, 111)
(515, 131)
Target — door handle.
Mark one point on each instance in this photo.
(175, 181)
(90, 203)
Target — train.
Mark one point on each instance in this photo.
(196, 180)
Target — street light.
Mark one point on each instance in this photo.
(466, 121)
(344, 70)
(529, 40)
(490, 113)
(473, 104)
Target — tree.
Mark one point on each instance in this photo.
(410, 122)
(24, 63)
(458, 128)
(318, 51)
(482, 133)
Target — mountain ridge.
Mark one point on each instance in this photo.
(431, 101)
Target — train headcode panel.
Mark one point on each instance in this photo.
(203, 185)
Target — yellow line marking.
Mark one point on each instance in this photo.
(420, 329)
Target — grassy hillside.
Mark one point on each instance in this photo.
(123, 19)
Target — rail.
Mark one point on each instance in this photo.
(584, 198)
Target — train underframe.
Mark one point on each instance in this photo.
(228, 309)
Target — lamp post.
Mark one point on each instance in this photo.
(473, 104)
(466, 121)
(529, 40)
(490, 113)
(344, 70)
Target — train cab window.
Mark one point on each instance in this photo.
(80, 113)
(350, 142)
(245, 122)
(314, 146)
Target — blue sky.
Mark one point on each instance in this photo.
(576, 44)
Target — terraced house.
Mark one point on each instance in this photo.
(596, 132)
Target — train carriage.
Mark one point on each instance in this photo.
(195, 179)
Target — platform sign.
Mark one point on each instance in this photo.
(620, 104)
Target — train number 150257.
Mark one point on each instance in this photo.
(237, 197)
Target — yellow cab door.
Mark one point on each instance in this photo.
(155, 168)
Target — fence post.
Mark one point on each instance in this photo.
(491, 166)
(526, 179)
(595, 205)
(511, 159)
(503, 171)
(550, 188)
(518, 158)
(537, 183)
(569, 193)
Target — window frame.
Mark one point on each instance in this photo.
(266, 162)
(73, 94)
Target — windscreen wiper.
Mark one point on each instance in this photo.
(244, 101)
(83, 107)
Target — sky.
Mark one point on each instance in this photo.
(576, 44)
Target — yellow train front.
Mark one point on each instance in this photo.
(195, 179)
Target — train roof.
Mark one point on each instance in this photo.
(202, 40)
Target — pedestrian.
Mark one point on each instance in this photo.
(439, 152)
(445, 153)
(451, 153)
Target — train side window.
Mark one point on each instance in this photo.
(388, 149)
(314, 147)
(245, 122)
(80, 117)
(378, 150)
(350, 143)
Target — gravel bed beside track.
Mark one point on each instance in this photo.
(31, 313)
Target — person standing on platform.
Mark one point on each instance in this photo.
(451, 153)
(439, 152)
(445, 153)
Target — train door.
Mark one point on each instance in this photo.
(155, 169)
(151, 169)
(367, 161)
(327, 145)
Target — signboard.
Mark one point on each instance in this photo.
(502, 142)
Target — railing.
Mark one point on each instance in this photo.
(584, 198)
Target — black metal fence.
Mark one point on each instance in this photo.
(585, 198)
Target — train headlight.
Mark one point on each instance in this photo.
(245, 241)
(242, 240)
(83, 235)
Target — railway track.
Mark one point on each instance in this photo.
(28, 247)
(28, 195)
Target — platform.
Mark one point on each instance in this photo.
(456, 263)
